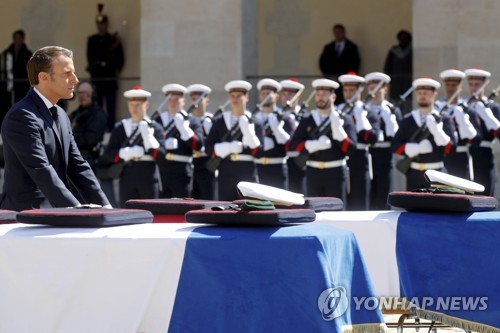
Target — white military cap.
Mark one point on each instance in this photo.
(136, 92)
(173, 87)
(377, 76)
(198, 87)
(478, 72)
(239, 85)
(452, 74)
(292, 84)
(427, 83)
(441, 179)
(274, 194)
(351, 78)
(324, 83)
(269, 83)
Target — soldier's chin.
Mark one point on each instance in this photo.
(424, 105)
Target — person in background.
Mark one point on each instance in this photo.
(339, 57)
(399, 66)
(13, 73)
(105, 60)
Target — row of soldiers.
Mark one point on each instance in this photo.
(345, 150)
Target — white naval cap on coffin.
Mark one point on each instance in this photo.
(198, 87)
(426, 82)
(477, 72)
(351, 78)
(136, 92)
(272, 84)
(452, 74)
(274, 194)
(324, 83)
(238, 85)
(377, 76)
(291, 84)
(441, 179)
(173, 87)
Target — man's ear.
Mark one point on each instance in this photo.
(43, 77)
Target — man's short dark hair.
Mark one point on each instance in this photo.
(403, 33)
(339, 26)
(19, 32)
(41, 61)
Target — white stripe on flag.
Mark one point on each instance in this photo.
(375, 232)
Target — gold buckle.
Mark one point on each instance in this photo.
(135, 159)
(265, 161)
(321, 165)
(197, 153)
(235, 157)
(169, 156)
(421, 167)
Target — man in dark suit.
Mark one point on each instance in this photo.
(339, 57)
(42, 161)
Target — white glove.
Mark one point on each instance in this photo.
(268, 143)
(148, 137)
(413, 149)
(249, 140)
(391, 125)
(440, 137)
(278, 131)
(322, 143)
(223, 149)
(171, 144)
(465, 127)
(492, 123)
(360, 116)
(207, 125)
(337, 125)
(182, 126)
(129, 153)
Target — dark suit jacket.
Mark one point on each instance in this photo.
(333, 65)
(39, 166)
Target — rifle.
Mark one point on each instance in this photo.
(402, 98)
(221, 109)
(233, 134)
(158, 110)
(474, 96)
(349, 104)
(305, 105)
(288, 104)
(448, 102)
(259, 106)
(494, 93)
(371, 93)
(197, 102)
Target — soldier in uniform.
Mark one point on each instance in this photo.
(135, 142)
(203, 179)
(236, 140)
(424, 135)
(388, 118)
(271, 158)
(367, 131)
(329, 138)
(183, 136)
(484, 116)
(460, 163)
(291, 115)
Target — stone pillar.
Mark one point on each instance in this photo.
(191, 41)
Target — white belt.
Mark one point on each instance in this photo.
(144, 158)
(384, 144)
(362, 146)
(178, 158)
(270, 160)
(292, 153)
(241, 158)
(462, 149)
(426, 166)
(326, 165)
(486, 144)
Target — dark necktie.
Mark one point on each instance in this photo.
(53, 112)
